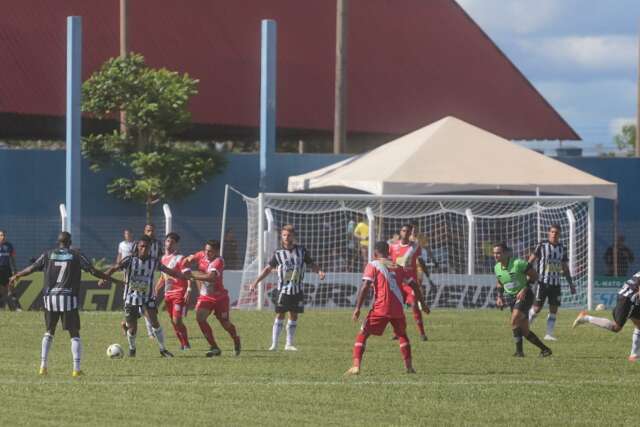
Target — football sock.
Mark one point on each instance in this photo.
(405, 350)
(291, 331)
(47, 340)
(358, 349)
(76, 352)
(131, 339)
(149, 326)
(517, 338)
(533, 339)
(277, 329)
(600, 321)
(159, 334)
(635, 342)
(417, 315)
(532, 316)
(208, 332)
(551, 323)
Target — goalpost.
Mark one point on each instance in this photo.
(457, 232)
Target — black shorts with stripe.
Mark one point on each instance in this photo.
(70, 320)
(550, 292)
(523, 305)
(625, 309)
(293, 303)
(134, 312)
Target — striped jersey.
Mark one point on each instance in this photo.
(155, 249)
(62, 269)
(139, 275)
(291, 265)
(630, 288)
(549, 260)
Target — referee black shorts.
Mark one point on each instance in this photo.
(70, 320)
(625, 309)
(293, 303)
(524, 305)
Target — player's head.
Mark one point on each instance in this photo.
(554, 233)
(3, 235)
(128, 235)
(171, 241)
(287, 234)
(500, 252)
(212, 249)
(405, 232)
(64, 239)
(144, 246)
(150, 230)
(381, 249)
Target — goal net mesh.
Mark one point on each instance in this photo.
(461, 277)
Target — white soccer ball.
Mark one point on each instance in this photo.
(601, 307)
(115, 351)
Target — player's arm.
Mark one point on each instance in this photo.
(159, 283)
(362, 294)
(567, 275)
(532, 277)
(425, 269)
(210, 276)
(122, 265)
(38, 265)
(273, 263)
(12, 262)
(417, 291)
(175, 274)
(314, 267)
(499, 295)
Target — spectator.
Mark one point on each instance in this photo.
(361, 232)
(7, 269)
(125, 248)
(625, 258)
(231, 256)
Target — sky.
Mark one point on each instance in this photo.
(581, 55)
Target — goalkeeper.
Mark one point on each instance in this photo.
(514, 277)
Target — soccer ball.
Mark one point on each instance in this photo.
(601, 307)
(114, 351)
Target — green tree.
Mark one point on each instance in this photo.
(626, 140)
(153, 168)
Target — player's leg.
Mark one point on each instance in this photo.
(71, 323)
(131, 313)
(147, 322)
(176, 315)
(278, 323)
(554, 303)
(4, 292)
(370, 326)
(51, 321)
(400, 330)
(521, 318)
(635, 339)
(538, 303)
(292, 326)
(620, 315)
(222, 314)
(152, 314)
(515, 328)
(203, 310)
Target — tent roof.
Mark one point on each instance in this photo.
(451, 155)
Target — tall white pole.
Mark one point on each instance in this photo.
(260, 247)
(224, 218)
(168, 219)
(591, 239)
(471, 242)
(372, 223)
(73, 126)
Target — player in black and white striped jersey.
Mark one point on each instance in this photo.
(291, 261)
(139, 292)
(552, 263)
(627, 307)
(62, 277)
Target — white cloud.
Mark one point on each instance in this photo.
(518, 16)
(616, 124)
(608, 52)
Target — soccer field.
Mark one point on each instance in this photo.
(466, 375)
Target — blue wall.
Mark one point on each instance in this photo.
(33, 183)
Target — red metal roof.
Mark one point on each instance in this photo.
(411, 62)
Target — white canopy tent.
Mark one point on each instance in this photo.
(448, 156)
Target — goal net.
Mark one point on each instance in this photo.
(456, 233)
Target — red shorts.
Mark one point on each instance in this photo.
(219, 305)
(408, 294)
(375, 325)
(176, 306)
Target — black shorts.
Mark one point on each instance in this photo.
(625, 309)
(70, 320)
(292, 303)
(5, 275)
(524, 305)
(133, 312)
(550, 292)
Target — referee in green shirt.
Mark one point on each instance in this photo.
(514, 277)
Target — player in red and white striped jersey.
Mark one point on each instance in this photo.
(176, 291)
(386, 278)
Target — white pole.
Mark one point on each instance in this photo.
(63, 217)
(372, 224)
(471, 250)
(572, 241)
(224, 218)
(168, 219)
(539, 211)
(260, 247)
(591, 239)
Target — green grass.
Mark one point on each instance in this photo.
(466, 376)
